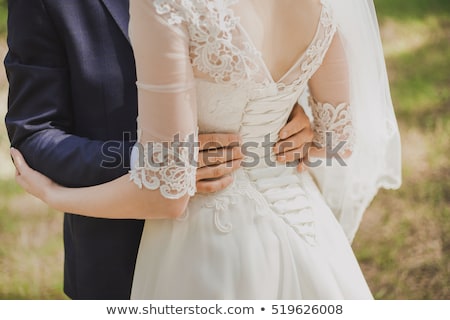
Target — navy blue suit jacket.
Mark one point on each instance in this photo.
(72, 112)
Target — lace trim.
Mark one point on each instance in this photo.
(170, 169)
(221, 202)
(332, 125)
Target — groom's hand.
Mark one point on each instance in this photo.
(295, 138)
(220, 154)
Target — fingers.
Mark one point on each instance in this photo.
(296, 137)
(205, 186)
(293, 155)
(218, 156)
(218, 140)
(215, 178)
(302, 164)
(300, 167)
(21, 167)
(19, 161)
(294, 142)
(29, 179)
(218, 171)
(295, 147)
(298, 121)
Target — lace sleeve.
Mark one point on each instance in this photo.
(165, 156)
(333, 128)
(329, 101)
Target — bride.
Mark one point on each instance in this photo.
(240, 66)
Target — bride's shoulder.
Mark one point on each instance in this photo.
(311, 8)
(306, 14)
(184, 5)
(195, 12)
(174, 11)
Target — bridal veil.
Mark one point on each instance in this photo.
(350, 186)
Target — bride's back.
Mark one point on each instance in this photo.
(280, 29)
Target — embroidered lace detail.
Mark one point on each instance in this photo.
(332, 125)
(221, 202)
(163, 166)
(211, 25)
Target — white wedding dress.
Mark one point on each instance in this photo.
(270, 235)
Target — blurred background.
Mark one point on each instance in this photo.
(403, 244)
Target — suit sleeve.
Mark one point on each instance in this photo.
(39, 118)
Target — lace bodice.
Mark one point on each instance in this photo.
(198, 67)
(222, 50)
(211, 27)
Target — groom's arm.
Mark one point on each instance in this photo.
(39, 118)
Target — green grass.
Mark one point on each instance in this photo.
(411, 9)
(403, 244)
(7, 223)
(9, 188)
(3, 16)
(31, 247)
(421, 81)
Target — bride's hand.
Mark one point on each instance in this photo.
(295, 139)
(31, 180)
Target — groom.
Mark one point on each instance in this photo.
(72, 107)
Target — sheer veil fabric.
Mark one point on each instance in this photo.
(376, 159)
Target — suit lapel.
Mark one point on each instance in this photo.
(119, 10)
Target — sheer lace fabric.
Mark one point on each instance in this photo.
(167, 166)
(333, 129)
(167, 108)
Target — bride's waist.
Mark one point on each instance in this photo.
(269, 191)
(258, 153)
(274, 175)
(271, 183)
